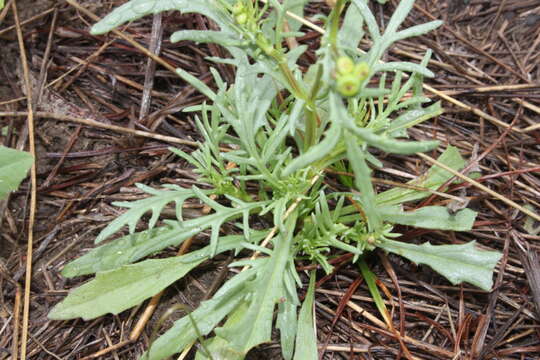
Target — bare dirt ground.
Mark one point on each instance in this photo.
(487, 65)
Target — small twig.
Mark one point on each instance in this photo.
(60, 117)
(33, 174)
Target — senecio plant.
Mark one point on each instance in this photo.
(287, 159)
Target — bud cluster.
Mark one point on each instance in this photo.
(349, 76)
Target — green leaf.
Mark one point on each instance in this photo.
(154, 203)
(306, 339)
(457, 263)
(399, 15)
(117, 290)
(362, 180)
(197, 84)
(382, 142)
(351, 31)
(266, 290)
(413, 117)
(417, 30)
(371, 23)
(131, 248)
(219, 348)
(316, 152)
(434, 178)
(403, 66)
(391, 145)
(207, 316)
(206, 36)
(14, 165)
(430, 217)
(1, 5)
(136, 9)
(371, 281)
(287, 324)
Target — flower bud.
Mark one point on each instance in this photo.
(241, 18)
(361, 70)
(348, 85)
(344, 65)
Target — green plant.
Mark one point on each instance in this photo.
(14, 166)
(286, 131)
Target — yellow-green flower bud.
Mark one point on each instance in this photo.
(361, 70)
(348, 85)
(344, 65)
(241, 18)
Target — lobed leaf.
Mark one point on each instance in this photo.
(430, 217)
(434, 178)
(136, 9)
(457, 263)
(154, 204)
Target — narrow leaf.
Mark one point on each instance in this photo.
(371, 281)
(351, 31)
(207, 316)
(316, 152)
(205, 36)
(256, 326)
(371, 23)
(457, 263)
(417, 30)
(403, 66)
(306, 339)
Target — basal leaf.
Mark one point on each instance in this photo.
(430, 217)
(287, 324)
(14, 165)
(117, 290)
(434, 178)
(457, 263)
(306, 339)
(207, 316)
(256, 325)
